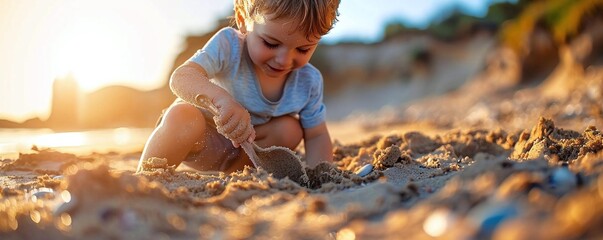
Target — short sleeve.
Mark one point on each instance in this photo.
(215, 56)
(314, 112)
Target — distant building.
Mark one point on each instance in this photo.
(65, 104)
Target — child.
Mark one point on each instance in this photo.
(259, 79)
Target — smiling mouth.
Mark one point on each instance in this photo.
(275, 69)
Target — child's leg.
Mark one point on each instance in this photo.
(283, 131)
(186, 135)
(180, 128)
(215, 152)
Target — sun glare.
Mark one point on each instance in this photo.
(97, 43)
(66, 139)
(128, 139)
(109, 47)
(93, 53)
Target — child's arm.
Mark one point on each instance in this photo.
(318, 145)
(190, 81)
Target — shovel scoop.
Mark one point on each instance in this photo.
(280, 161)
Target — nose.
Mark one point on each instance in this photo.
(284, 58)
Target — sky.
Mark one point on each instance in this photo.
(134, 42)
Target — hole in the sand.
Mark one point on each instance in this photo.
(506, 164)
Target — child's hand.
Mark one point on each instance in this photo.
(233, 121)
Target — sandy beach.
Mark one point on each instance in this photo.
(475, 163)
(480, 137)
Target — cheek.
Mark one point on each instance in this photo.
(258, 55)
(301, 60)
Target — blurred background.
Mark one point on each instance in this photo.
(69, 66)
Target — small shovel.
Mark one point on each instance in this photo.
(280, 161)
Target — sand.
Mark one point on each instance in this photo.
(487, 164)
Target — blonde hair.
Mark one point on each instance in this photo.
(314, 17)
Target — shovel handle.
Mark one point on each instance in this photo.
(253, 156)
(205, 103)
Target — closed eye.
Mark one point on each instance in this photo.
(303, 51)
(270, 45)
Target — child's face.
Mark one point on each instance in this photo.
(277, 48)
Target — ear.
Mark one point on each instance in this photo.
(240, 20)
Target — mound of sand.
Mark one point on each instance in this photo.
(476, 183)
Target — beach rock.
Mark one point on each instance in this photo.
(364, 170)
(42, 194)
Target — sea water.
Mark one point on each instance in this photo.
(21, 140)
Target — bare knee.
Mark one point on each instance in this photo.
(282, 131)
(183, 119)
(180, 128)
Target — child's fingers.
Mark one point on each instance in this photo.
(234, 123)
(224, 117)
(248, 134)
(230, 126)
(251, 137)
(241, 133)
(236, 131)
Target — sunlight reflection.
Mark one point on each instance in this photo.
(122, 136)
(65, 139)
(100, 140)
